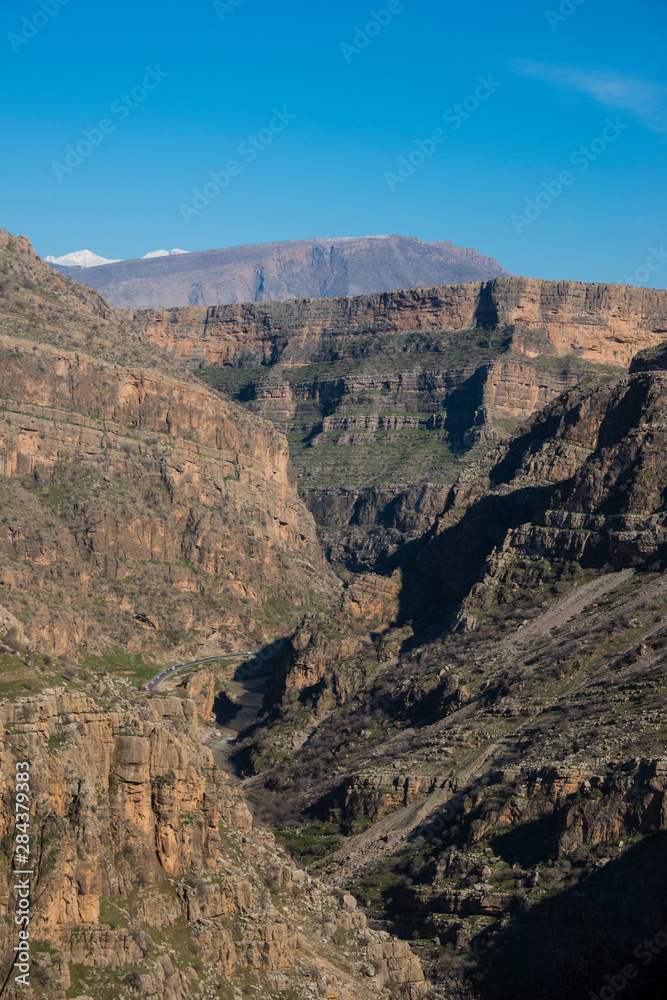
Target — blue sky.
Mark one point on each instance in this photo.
(582, 92)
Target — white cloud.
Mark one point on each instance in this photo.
(644, 99)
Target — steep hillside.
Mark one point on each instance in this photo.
(489, 776)
(383, 396)
(140, 511)
(287, 270)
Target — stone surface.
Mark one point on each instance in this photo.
(139, 508)
(383, 396)
(605, 324)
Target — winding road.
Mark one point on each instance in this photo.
(168, 671)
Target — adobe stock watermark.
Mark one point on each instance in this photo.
(23, 871)
(256, 666)
(247, 150)
(225, 7)
(566, 9)
(656, 259)
(454, 116)
(581, 159)
(646, 952)
(31, 26)
(378, 20)
(122, 107)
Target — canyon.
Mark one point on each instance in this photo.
(384, 398)
(448, 507)
(144, 516)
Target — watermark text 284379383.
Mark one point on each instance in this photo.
(23, 872)
(121, 108)
(31, 26)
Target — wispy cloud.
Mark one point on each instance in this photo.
(644, 99)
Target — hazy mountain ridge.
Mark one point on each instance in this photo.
(289, 270)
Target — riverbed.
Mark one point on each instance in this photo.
(236, 710)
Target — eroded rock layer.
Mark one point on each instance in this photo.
(140, 509)
(606, 324)
(382, 395)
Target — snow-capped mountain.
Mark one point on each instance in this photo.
(286, 270)
(163, 253)
(80, 258)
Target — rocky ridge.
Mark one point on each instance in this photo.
(157, 509)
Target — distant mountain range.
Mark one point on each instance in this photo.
(86, 258)
(317, 268)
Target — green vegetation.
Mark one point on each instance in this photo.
(135, 666)
(310, 841)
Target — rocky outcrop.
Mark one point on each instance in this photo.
(605, 324)
(144, 858)
(156, 508)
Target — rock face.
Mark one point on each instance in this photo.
(382, 395)
(586, 485)
(158, 511)
(293, 270)
(146, 861)
(606, 324)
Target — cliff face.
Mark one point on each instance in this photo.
(146, 874)
(586, 485)
(381, 395)
(287, 270)
(160, 515)
(605, 324)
